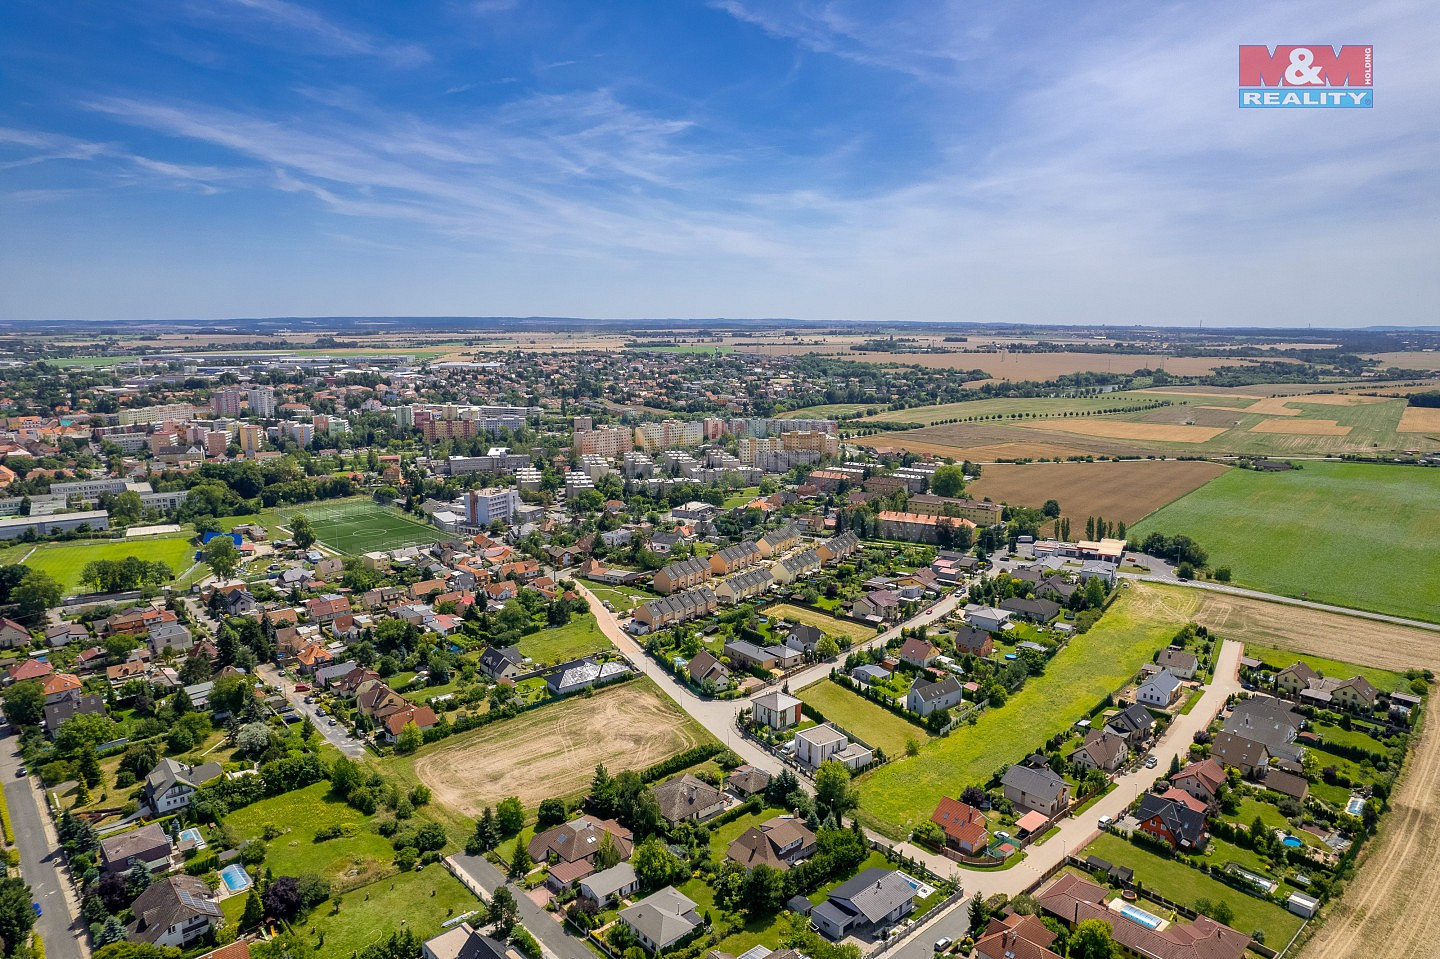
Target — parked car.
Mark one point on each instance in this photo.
(1151, 761)
(36, 907)
(1105, 822)
(302, 687)
(333, 720)
(943, 943)
(20, 773)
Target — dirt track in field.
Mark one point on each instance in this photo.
(553, 751)
(1127, 491)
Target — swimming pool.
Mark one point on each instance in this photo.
(1355, 806)
(235, 878)
(922, 890)
(1134, 913)
(1292, 841)
(193, 834)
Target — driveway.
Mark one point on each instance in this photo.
(479, 874)
(337, 735)
(41, 861)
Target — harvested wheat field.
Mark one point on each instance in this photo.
(1301, 427)
(1350, 639)
(1047, 366)
(1124, 430)
(1419, 419)
(1125, 491)
(984, 453)
(1392, 898)
(553, 751)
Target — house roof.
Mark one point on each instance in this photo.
(170, 772)
(579, 839)
(960, 821)
(1072, 899)
(1031, 821)
(874, 894)
(748, 780)
(1182, 821)
(916, 648)
(1163, 682)
(1035, 782)
(685, 796)
(608, 882)
(776, 701)
(1105, 748)
(1209, 774)
(1236, 750)
(169, 902)
(463, 942)
(663, 917)
(1133, 718)
(929, 692)
(120, 848)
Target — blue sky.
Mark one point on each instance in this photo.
(1018, 162)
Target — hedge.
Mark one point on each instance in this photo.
(5, 821)
(690, 757)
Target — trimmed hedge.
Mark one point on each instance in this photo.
(685, 760)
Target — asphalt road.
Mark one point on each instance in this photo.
(555, 942)
(41, 862)
(337, 735)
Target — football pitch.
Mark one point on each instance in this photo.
(360, 526)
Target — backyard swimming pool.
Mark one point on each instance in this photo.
(1292, 841)
(1355, 806)
(235, 878)
(922, 890)
(1134, 913)
(193, 834)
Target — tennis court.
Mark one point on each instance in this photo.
(356, 526)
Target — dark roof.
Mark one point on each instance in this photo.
(874, 894)
(1184, 823)
(1035, 782)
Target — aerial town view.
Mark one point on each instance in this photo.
(747, 479)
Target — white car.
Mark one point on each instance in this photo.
(1105, 822)
(943, 944)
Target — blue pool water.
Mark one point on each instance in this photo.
(1147, 919)
(235, 878)
(1355, 806)
(1292, 842)
(193, 833)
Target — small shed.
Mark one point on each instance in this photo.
(1302, 905)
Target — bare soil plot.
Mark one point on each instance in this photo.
(1121, 429)
(553, 751)
(1419, 419)
(1125, 491)
(1420, 360)
(1187, 415)
(1392, 898)
(1301, 427)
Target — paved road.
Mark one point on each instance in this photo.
(338, 736)
(41, 859)
(555, 942)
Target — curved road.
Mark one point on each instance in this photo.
(718, 716)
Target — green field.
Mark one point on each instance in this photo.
(830, 410)
(420, 901)
(623, 598)
(579, 637)
(878, 727)
(1094, 664)
(1382, 679)
(65, 560)
(1349, 534)
(301, 814)
(1180, 883)
(1037, 406)
(836, 627)
(361, 525)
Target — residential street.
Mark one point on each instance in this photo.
(555, 942)
(337, 735)
(40, 858)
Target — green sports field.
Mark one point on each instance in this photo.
(1350, 534)
(65, 560)
(356, 526)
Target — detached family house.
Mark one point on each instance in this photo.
(964, 826)
(777, 710)
(661, 920)
(1043, 790)
(869, 904)
(925, 698)
(171, 784)
(1160, 691)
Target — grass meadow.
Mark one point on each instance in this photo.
(64, 561)
(579, 637)
(905, 791)
(875, 725)
(1349, 534)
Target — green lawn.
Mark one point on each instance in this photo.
(1350, 534)
(830, 410)
(302, 813)
(420, 901)
(579, 637)
(623, 598)
(1382, 679)
(65, 560)
(1180, 883)
(361, 525)
(835, 627)
(740, 497)
(863, 718)
(1075, 680)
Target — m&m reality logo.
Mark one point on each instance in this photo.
(1310, 76)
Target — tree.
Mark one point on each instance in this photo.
(1051, 509)
(112, 934)
(222, 556)
(827, 648)
(254, 913)
(89, 767)
(502, 912)
(229, 693)
(764, 890)
(978, 917)
(16, 914)
(485, 837)
(655, 865)
(37, 592)
(301, 531)
(25, 703)
(410, 738)
(137, 880)
(948, 481)
(1092, 939)
(509, 816)
(520, 863)
(834, 793)
(551, 813)
(282, 898)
